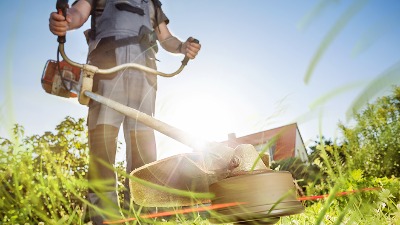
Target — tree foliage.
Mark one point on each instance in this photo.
(324, 148)
(43, 176)
(373, 142)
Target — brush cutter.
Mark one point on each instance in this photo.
(213, 174)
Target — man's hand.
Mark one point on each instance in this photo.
(76, 17)
(190, 48)
(174, 45)
(58, 24)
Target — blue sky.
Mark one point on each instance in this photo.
(249, 75)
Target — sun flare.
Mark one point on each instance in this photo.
(202, 115)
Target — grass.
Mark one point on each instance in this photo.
(40, 184)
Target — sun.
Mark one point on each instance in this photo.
(203, 115)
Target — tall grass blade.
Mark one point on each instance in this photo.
(373, 34)
(314, 13)
(335, 92)
(389, 77)
(332, 34)
(327, 204)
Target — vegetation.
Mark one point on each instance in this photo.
(373, 143)
(43, 177)
(367, 157)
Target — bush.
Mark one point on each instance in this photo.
(374, 142)
(43, 177)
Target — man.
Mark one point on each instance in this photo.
(121, 32)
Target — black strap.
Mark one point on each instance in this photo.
(109, 43)
(129, 8)
(92, 33)
(127, 41)
(157, 3)
(157, 6)
(76, 1)
(146, 39)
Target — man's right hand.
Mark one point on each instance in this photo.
(58, 25)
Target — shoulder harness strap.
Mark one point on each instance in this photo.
(92, 33)
(157, 5)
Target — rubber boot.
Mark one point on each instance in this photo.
(105, 207)
(141, 149)
(102, 177)
(102, 150)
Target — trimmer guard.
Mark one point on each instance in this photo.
(266, 196)
(180, 172)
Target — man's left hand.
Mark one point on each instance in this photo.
(190, 48)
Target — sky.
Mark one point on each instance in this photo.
(249, 75)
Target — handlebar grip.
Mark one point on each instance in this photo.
(186, 59)
(62, 6)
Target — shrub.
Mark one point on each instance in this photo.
(43, 177)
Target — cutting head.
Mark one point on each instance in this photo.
(265, 196)
(190, 172)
